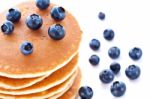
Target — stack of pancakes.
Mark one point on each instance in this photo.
(51, 71)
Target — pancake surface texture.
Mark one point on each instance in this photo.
(11, 83)
(48, 55)
(54, 79)
(48, 93)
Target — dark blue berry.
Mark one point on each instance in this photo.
(7, 27)
(13, 15)
(58, 13)
(42, 4)
(118, 89)
(106, 76)
(94, 60)
(114, 52)
(135, 53)
(26, 48)
(34, 21)
(133, 72)
(101, 16)
(56, 32)
(109, 34)
(115, 67)
(86, 92)
(95, 44)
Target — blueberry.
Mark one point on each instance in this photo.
(118, 89)
(101, 16)
(56, 32)
(34, 21)
(114, 52)
(42, 4)
(13, 15)
(86, 92)
(106, 76)
(133, 72)
(94, 60)
(115, 67)
(135, 53)
(26, 48)
(94, 44)
(7, 27)
(58, 13)
(109, 34)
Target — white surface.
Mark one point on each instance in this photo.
(130, 19)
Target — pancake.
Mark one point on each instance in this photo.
(55, 79)
(48, 93)
(72, 93)
(48, 55)
(11, 83)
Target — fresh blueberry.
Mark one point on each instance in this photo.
(109, 34)
(34, 21)
(115, 67)
(106, 76)
(13, 15)
(133, 72)
(86, 92)
(94, 60)
(26, 48)
(58, 13)
(95, 44)
(118, 89)
(42, 4)
(135, 53)
(114, 52)
(56, 32)
(101, 16)
(7, 27)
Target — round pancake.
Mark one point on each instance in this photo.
(48, 93)
(48, 54)
(72, 93)
(55, 79)
(11, 83)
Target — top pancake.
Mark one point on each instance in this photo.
(47, 55)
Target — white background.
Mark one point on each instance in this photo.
(130, 19)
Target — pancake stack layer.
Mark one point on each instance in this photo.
(51, 71)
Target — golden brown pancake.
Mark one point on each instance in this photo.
(72, 93)
(11, 83)
(55, 79)
(48, 93)
(48, 55)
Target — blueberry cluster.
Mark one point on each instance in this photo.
(118, 88)
(35, 22)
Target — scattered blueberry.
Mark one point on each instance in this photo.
(34, 21)
(115, 67)
(114, 52)
(13, 15)
(101, 16)
(42, 4)
(86, 92)
(56, 32)
(133, 72)
(109, 34)
(95, 44)
(135, 53)
(58, 13)
(7, 27)
(106, 76)
(94, 60)
(26, 48)
(118, 89)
